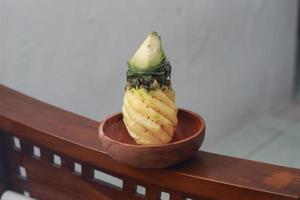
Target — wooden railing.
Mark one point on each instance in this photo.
(51, 153)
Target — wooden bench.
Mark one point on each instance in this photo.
(33, 133)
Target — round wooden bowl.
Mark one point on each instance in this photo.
(118, 144)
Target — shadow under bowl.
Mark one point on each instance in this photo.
(118, 144)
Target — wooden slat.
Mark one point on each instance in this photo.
(5, 182)
(206, 175)
(176, 196)
(47, 182)
(2, 181)
(129, 187)
(152, 193)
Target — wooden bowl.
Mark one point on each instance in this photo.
(118, 144)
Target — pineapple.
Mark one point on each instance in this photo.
(149, 110)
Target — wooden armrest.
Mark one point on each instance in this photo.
(205, 176)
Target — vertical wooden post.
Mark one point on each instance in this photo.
(4, 170)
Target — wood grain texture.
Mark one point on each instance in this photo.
(117, 143)
(205, 176)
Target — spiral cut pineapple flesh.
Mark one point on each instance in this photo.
(150, 116)
(149, 110)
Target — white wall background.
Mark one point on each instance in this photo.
(232, 60)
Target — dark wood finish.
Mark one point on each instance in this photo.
(2, 187)
(205, 176)
(47, 182)
(4, 169)
(118, 144)
(2, 181)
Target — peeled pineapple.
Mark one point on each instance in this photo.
(149, 110)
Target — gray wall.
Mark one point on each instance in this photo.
(232, 60)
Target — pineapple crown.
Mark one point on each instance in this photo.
(151, 78)
(149, 68)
